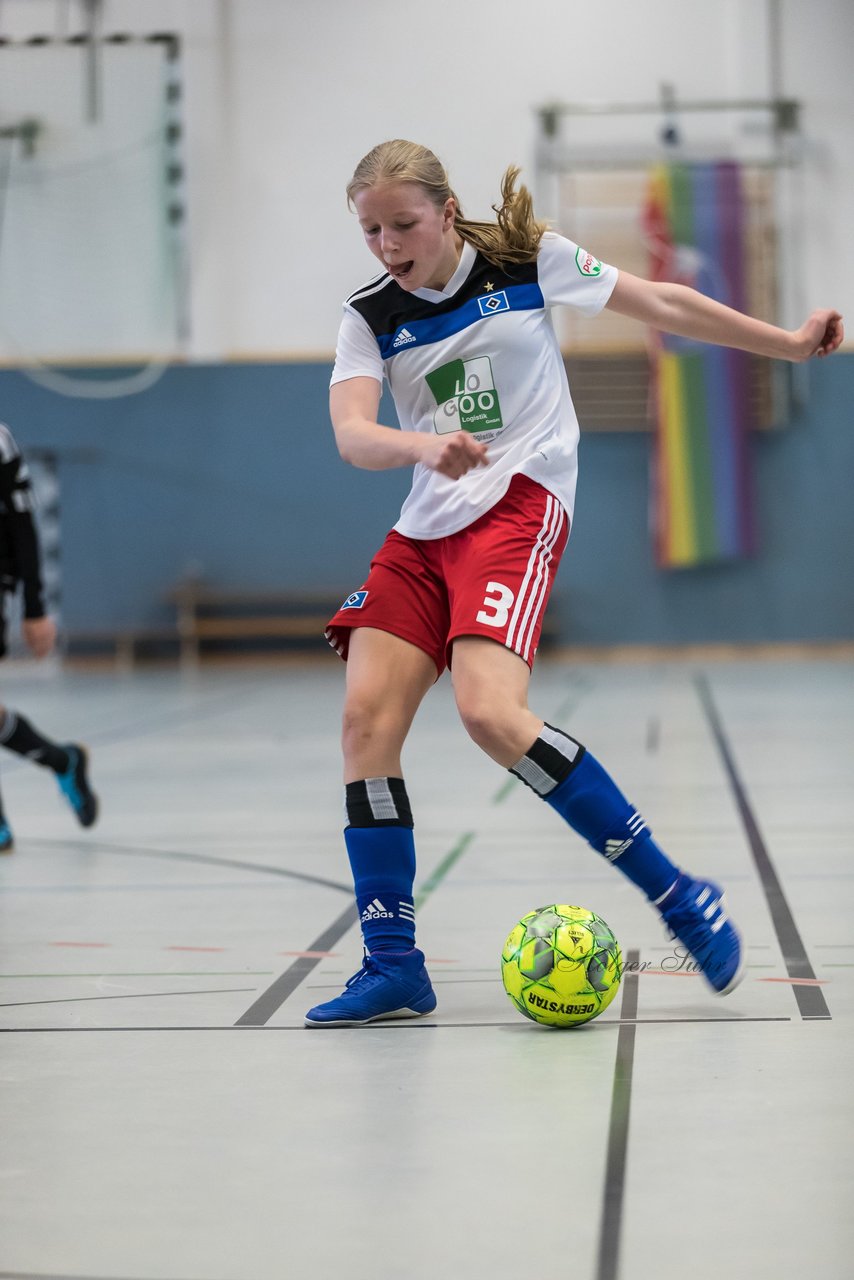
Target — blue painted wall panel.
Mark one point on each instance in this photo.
(230, 471)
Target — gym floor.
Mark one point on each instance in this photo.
(166, 1116)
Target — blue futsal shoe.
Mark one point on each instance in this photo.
(74, 785)
(388, 985)
(693, 910)
(7, 840)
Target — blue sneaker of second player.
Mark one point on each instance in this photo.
(388, 985)
(74, 784)
(694, 912)
(7, 840)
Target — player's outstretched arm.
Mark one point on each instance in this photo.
(677, 309)
(363, 442)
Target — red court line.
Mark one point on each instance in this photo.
(662, 973)
(798, 982)
(311, 955)
(677, 973)
(176, 948)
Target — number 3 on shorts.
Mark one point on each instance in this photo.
(497, 604)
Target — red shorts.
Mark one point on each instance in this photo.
(491, 579)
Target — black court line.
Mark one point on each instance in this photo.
(401, 1028)
(53, 1275)
(168, 718)
(205, 859)
(810, 1000)
(266, 1005)
(128, 995)
(618, 1129)
(275, 995)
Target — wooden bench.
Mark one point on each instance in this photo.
(127, 649)
(211, 621)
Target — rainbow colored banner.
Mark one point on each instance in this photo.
(702, 506)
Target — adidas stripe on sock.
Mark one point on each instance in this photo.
(570, 779)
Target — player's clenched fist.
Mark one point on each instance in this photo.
(820, 335)
(454, 454)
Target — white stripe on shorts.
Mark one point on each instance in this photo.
(532, 593)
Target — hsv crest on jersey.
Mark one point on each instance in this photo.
(491, 302)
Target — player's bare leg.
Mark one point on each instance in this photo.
(387, 679)
(491, 690)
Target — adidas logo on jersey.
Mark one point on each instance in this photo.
(375, 911)
(403, 338)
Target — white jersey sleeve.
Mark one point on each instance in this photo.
(356, 354)
(570, 276)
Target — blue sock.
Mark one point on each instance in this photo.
(381, 848)
(573, 782)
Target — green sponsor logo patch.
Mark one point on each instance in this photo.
(465, 394)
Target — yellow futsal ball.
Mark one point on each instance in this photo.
(561, 965)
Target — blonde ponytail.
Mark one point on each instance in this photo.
(513, 239)
(516, 236)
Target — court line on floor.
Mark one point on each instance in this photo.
(53, 1275)
(175, 855)
(269, 1001)
(810, 999)
(168, 718)
(435, 879)
(402, 1028)
(266, 1005)
(262, 1009)
(613, 1195)
(126, 995)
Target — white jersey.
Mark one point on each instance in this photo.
(480, 355)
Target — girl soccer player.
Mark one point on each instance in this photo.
(458, 322)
